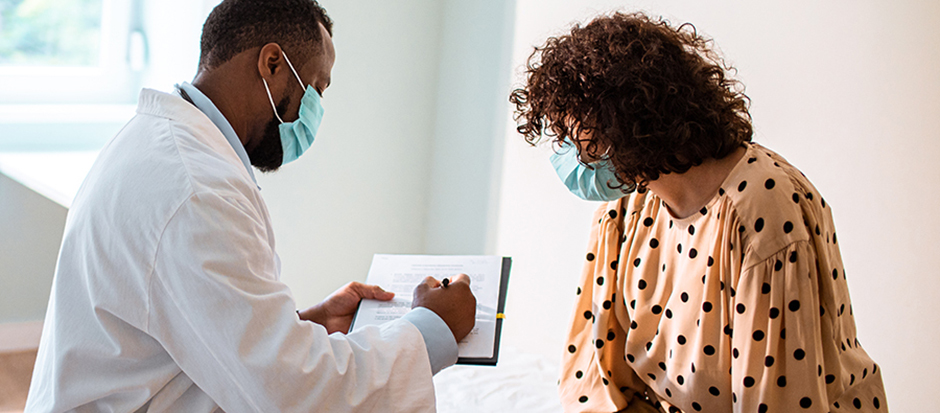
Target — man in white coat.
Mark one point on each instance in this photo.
(166, 294)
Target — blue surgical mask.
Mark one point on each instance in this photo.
(297, 136)
(588, 183)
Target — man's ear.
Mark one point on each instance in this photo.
(270, 61)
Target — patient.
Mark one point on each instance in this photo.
(713, 280)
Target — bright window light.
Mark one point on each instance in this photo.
(50, 33)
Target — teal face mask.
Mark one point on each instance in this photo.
(589, 184)
(297, 136)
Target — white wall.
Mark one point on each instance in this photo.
(846, 90)
(362, 187)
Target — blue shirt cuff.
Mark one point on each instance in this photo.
(438, 339)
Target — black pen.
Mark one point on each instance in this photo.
(445, 282)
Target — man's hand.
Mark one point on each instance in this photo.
(455, 304)
(337, 311)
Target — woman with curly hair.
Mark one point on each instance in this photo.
(713, 279)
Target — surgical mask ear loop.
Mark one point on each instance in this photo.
(292, 70)
(271, 99)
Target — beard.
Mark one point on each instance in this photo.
(269, 154)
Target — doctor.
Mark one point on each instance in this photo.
(166, 294)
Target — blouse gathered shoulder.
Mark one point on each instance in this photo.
(741, 307)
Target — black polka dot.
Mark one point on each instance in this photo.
(583, 399)
(633, 325)
(711, 261)
(590, 257)
(830, 378)
(735, 353)
(641, 284)
(605, 381)
(607, 304)
(793, 256)
(613, 265)
(769, 184)
(835, 274)
(684, 297)
(588, 315)
(794, 305)
(707, 307)
(748, 381)
(806, 402)
(714, 391)
(704, 211)
(579, 291)
(600, 280)
(648, 222)
(752, 160)
(599, 343)
(774, 313)
(759, 224)
(783, 334)
(691, 229)
(572, 348)
(654, 243)
(693, 253)
(612, 213)
(679, 248)
(778, 265)
(758, 335)
(668, 313)
(681, 339)
(742, 185)
(877, 403)
(740, 308)
(651, 376)
(741, 228)
(796, 197)
(799, 354)
(809, 196)
(782, 381)
(631, 358)
(578, 374)
(680, 380)
(709, 350)
(633, 304)
(611, 336)
(762, 408)
(787, 227)
(697, 407)
(765, 288)
(656, 309)
(636, 262)
(768, 361)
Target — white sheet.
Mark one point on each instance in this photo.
(520, 383)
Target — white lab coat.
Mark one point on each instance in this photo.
(166, 294)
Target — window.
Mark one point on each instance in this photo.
(70, 51)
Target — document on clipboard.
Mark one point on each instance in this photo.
(489, 277)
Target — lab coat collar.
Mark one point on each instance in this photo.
(202, 102)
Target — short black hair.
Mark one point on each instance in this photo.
(238, 25)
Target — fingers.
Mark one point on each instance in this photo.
(460, 278)
(369, 291)
(432, 282)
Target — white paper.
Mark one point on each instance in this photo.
(401, 273)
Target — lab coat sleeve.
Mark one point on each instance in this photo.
(216, 306)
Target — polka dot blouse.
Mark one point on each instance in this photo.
(741, 307)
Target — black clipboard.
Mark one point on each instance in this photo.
(500, 308)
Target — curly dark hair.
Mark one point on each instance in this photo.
(656, 99)
(238, 25)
